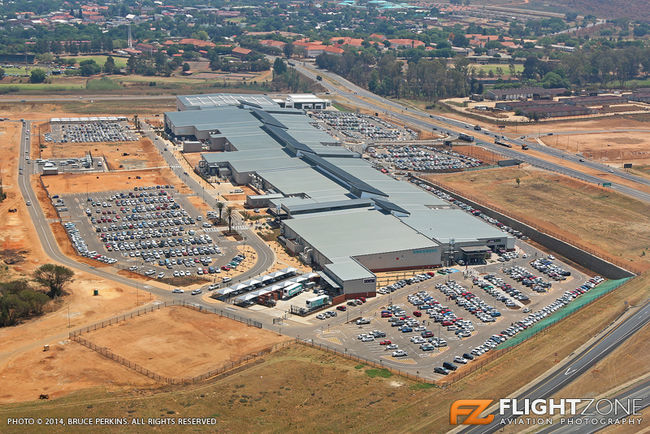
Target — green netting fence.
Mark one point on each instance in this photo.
(575, 305)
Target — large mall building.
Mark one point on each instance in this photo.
(342, 216)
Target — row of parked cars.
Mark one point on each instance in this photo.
(552, 270)
(469, 301)
(361, 126)
(527, 278)
(90, 132)
(423, 158)
(147, 223)
(404, 282)
(81, 247)
(518, 326)
(491, 279)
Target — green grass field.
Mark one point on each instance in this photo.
(120, 62)
(17, 87)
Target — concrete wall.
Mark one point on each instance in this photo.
(192, 146)
(579, 256)
(401, 260)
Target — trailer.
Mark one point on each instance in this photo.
(291, 290)
(466, 137)
(502, 143)
(316, 302)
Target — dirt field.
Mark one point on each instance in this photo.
(614, 147)
(141, 154)
(610, 223)
(68, 183)
(180, 342)
(273, 397)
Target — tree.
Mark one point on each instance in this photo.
(37, 76)
(109, 65)
(518, 181)
(229, 211)
(186, 67)
(2, 73)
(288, 50)
(279, 66)
(54, 277)
(89, 67)
(220, 206)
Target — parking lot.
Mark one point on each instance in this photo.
(93, 131)
(434, 318)
(360, 127)
(422, 158)
(152, 230)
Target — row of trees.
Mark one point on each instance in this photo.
(600, 66)
(423, 78)
(19, 300)
(287, 78)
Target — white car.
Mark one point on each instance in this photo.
(399, 353)
(196, 291)
(177, 291)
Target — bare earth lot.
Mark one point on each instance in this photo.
(290, 389)
(140, 154)
(615, 147)
(610, 223)
(180, 342)
(110, 181)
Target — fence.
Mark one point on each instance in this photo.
(380, 365)
(532, 225)
(149, 309)
(584, 300)
(230, 366)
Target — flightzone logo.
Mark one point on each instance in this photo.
(565, 411)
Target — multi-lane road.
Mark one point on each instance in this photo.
(336, 84)
(574, 368)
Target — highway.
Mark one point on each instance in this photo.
(574, 368)
(640, 392)
(450, 126)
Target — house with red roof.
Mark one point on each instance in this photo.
(405, 43)
(241, 52)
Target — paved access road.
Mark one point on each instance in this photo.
(41, 224)
(447, 125)
(265, 255)
(575, 367)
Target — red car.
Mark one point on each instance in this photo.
(386, 342)
(225, 268)
(447, 323)
(417, 313)
(341, 308)
(386, 314)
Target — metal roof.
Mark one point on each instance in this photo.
(325, 206)
(389, 206)
(342, 174)
(443, 225)
(224, 99)
(360, 232)
(303, 179)
(348, 270)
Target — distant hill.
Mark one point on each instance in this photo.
(610, 9)
(632, 9)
